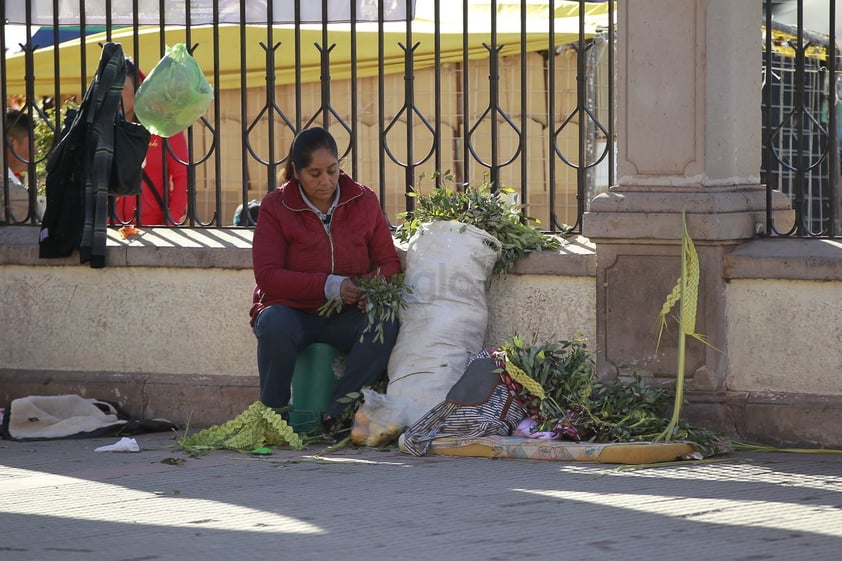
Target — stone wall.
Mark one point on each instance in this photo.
(163, 328)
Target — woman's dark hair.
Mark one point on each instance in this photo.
(301, 150)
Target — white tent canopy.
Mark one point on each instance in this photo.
(201, 12)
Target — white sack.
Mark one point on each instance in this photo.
(448, 265)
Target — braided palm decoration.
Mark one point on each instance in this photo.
(256, 427)
(686, 290)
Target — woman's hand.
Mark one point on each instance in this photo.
(349, 293)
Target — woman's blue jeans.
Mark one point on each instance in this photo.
(282, 332)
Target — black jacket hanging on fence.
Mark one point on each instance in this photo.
(79, 168)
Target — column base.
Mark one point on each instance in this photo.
(637, 233)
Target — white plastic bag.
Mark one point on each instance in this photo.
(378, 421)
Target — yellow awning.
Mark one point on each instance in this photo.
(253, 59)
(783, 41)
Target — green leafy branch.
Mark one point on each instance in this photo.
(625, 411)
(482, 207)
(384, 298)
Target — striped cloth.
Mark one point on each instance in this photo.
(498, 415)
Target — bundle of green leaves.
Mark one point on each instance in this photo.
(626, 411)
(484, 208)
(384, 298)
(383, 301)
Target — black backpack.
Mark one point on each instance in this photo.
(61, 227)
(96, 132)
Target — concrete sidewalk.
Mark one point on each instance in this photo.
(61, 501)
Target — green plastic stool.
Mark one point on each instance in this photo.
(317, 369)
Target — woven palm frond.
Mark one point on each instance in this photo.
(256, 427)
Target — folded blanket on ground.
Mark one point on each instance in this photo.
(72, 416)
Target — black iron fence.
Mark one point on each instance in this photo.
(516, 94)
(801, 132)
(506, 92)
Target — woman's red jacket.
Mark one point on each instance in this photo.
(292, 253)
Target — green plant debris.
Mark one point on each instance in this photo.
(580, 407)
(753, 447)
(680, 463)
(344, 443)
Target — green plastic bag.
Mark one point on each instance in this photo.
(174, 94)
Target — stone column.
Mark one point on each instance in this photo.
(689, 140)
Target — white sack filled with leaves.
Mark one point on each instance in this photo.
(448, 265)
